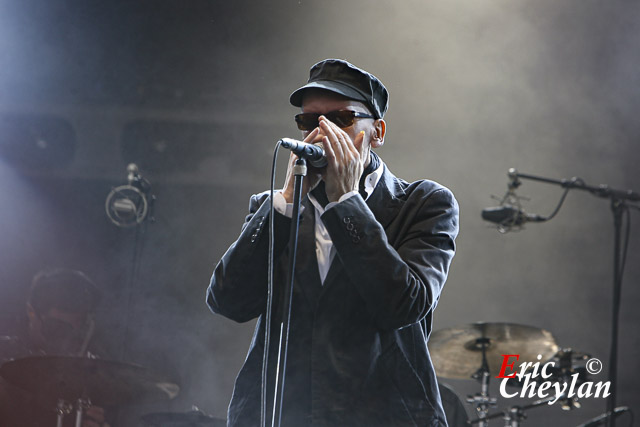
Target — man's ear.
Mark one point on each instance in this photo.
(380, 129)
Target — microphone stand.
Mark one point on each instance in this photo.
(619, 199)
(299, 171)
(598, 421)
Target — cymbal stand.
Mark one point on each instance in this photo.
(65, 408)
(482, 400)
(81, 405)
(62, 408)
(514, 415)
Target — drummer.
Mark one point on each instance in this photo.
(59, 314)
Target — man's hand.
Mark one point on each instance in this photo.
(345, 163)
(309, 182)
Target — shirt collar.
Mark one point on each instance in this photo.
(371, 181)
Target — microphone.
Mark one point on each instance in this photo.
(129, 205)
(312, 152)
(509, 216)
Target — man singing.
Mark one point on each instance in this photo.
(373, 255)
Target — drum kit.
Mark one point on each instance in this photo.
(480, 351)
(473, 351)
(73, 384)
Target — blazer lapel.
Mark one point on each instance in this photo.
(386, 199)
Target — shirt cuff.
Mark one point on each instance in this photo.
(342, 198)
(281, 205)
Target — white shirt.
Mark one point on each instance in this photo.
(325, 252)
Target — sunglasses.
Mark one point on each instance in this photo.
(342, 118)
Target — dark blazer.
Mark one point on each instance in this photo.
(358, 343)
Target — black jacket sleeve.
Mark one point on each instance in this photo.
(238, 288)
(398, 272)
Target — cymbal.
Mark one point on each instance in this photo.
(104, 382)
(457, 352)
(181, 419)
(566, 363)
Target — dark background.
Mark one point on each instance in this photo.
(197, 94)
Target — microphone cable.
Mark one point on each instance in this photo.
(269, 307)
(573, 181)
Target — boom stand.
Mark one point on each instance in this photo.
(619, 200)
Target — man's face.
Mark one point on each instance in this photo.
(322, 102)
(57, 331)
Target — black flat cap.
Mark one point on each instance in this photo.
(339, 76)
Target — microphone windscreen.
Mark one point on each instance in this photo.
(499, 214)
